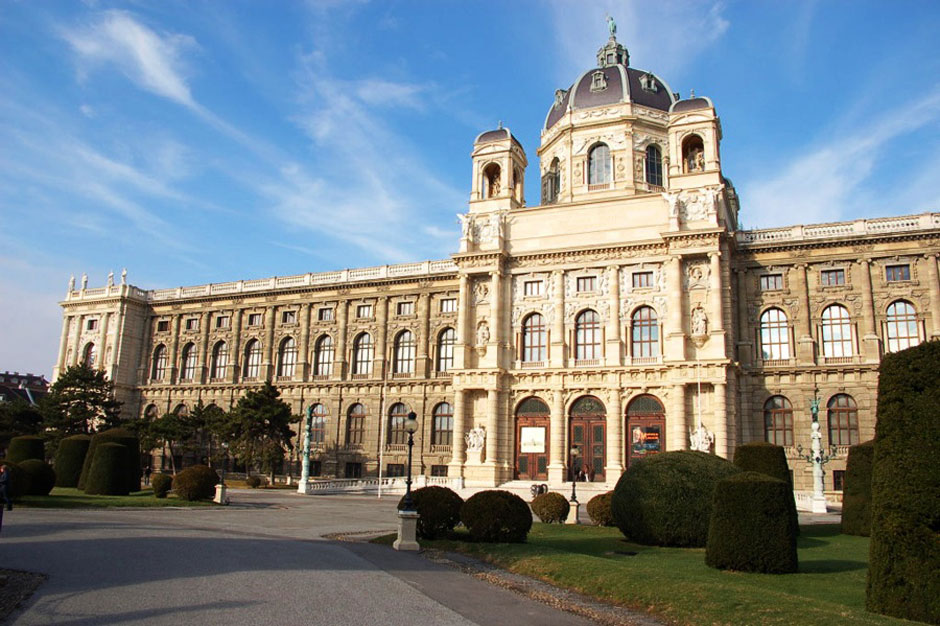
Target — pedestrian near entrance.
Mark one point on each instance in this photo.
(5, 487)
(147, 475)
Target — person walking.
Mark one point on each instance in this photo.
(5, 487)
(147, 475)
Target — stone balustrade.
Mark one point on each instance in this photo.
(861, 227)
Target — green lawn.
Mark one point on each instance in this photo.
(67, 498)
(675, 584)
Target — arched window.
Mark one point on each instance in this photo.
(182, 410)
(533, 339)
(491, 180)
(158, 370)
(551, 183)
(843, 420)
(323, 356)
(442, 429)
(599, 165)
(90, 356)
(445, 349)
(778, 421)
(188, 362)
(836, 331)
(693, 154)
(318, 424)
(654, 165)
(363, 350)
(252, 367)
(645, 333)
(587, 335)
(901, 326)
(287, 357)
(774, 335)
(151, 412)
(219, 360)
(404, 362)
(397, 415)
(356, 425)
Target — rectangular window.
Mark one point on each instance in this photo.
(364, 311)
(192, 323)
(254, 319)
(832, 277)
(92, 324)
(838, 480)
(771, 282)
(642, 280)
(532, 288)
(288, 317)
(354, 470)
(586, 283)
(439, 470)
(163, 326)
(406, 308)
(395, 470)
(325, 314)
(222, 321)
(449, 305)
(894, 273)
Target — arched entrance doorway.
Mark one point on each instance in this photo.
(587, 431)
(646, 428)
(532, 425)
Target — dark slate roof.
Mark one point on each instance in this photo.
(493, 135)
(557, 110)
(584, 98)
(691, 104)
(660, 99)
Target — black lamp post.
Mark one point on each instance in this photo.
(411, 425)
(224, 461)
(575, 453)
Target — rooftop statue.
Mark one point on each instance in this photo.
(612, 27)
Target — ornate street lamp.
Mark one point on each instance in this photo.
(305, 461)
(574, 511)
(411, 425)
(220, 491)
(407, 516)
(817, 457)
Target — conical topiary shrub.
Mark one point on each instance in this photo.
(40, 477)
(69, 459)
(132, 463)
(26, 447)
(769, 459)
(108, 473)
(856, 493)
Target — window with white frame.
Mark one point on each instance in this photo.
(586, 283)
(158, 371)
(219, 360)
(532, 288)
(92, 324)
(774, 335)
(287, 357)
(642, 280)
(364, 311)
(771, 282)
(587, 335)
(533, 339)
(901, 326)
(254, 319)
(832, 278)
(252, 367)
(222, 321)
(406, 308)
(445, 349)
(599, 169)
(448, 305)
(323, 356)
(837, 332)
(325, 314)
(897, 273)
(363, 353)
(404, 362)
(288, 317)
(188, 362)
(192, 323)
(644, 339)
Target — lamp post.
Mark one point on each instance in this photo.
(305, 461)
(220, 489)
(574, 510)
(407, 516)
(816, 457)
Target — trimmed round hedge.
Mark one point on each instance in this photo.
(129, 469)
(767, 458)
(666, 499)
(161, 484)
(856, 492)
(598, 508)
(551, 507)
(107, 475)
(439, 510)
(904, 555)
(40, 477)
(496, 516)
(69, 459)
(26, 447)
(196, 483)
(253, 481)
(750, 528)
(17, 485)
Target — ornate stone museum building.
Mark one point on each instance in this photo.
(624, 315)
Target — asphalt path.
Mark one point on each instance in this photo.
(267, 559)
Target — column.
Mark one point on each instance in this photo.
(676, 420)
(492, 426)
(615, 444)
(342, 324)
(381, 349)
(805, 347)
(869, 345)
(724, 438)
(103, 343)
(934, 288)
(556, 451)
(745, 333)
(422, 362)
(268, 367)
(457, 451)
(463, 337)
(235, 353)
(77, 344)
(303, 369)
(716, 310)
(557, 347)
(674, 334)
(204, 373)
(173, 362)
(497, 336)
(613, 352)
(63, 347)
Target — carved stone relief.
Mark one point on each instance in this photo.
(481, 291)
(696, 275)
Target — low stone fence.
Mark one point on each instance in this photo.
(371, 485)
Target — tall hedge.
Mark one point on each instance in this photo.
(69, 459)
(666, 499)
(131, 468)
(905, 511)
(26, 447)
(18, 484)
(751, 529)
(40, 477)
(856, 491)
(107, 474)
(771, 460)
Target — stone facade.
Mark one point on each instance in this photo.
(624, 312)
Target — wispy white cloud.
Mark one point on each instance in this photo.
(827, 182)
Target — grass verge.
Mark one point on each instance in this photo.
(70, 498)
(675, 583)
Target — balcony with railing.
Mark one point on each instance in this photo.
(856, 228)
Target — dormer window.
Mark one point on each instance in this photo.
(599, 80)
(648, 83)
(560, 96)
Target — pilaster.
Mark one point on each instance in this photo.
(674, 334)
(303, 358)
(613, 354)
(934, 287)
(614, 467)
(676, 419)
(458, 454)
(871, 345)
(744, 335)
(723, 434)
(556, 452)
(556, 351)
(270, 350)
(805, 346)
(463, 308)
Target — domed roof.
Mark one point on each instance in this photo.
(612, 82)
(692, 104)
(498, 134)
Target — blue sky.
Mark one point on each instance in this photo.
(196, 142)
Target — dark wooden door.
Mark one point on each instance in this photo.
(532, 445)
(589, 433)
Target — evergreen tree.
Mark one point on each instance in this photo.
(258, 429)
(18, 417)
(80, 402)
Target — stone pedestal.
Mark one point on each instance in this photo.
(574, 513)
(819, 504)
(221, 496)
(407, 531)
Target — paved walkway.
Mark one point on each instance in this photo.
(264, 560)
